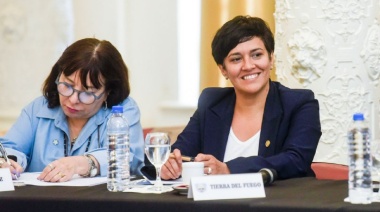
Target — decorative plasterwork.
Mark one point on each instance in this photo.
(344, 93)
(283, 10)
(307, 55)
(344, 16)
(344, 10)
(371, 52)
(333, 48)
(282, 14)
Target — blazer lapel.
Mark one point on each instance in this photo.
(218, 121)
(271, 121)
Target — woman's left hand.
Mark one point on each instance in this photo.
(62, 170)
(212, 165)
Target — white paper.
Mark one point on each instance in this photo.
(30, 178)
(145, 189)
(169, 182)
(6, 180)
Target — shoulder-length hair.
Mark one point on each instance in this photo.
(94, 58)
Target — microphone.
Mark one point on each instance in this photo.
(269, 175)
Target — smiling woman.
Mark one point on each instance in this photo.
(256, 124)
(214, 14)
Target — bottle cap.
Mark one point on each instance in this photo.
(117, 109)
(358, 117)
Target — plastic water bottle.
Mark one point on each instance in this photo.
(360, 163)
(118, 178)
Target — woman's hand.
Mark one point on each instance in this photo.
(172, 169)
(63, 169)
(14, 167)
(212, 165)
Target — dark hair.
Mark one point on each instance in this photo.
(239, 30)
(94, 58)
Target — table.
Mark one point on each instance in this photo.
(299, 194)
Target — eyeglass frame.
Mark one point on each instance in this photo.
(78, 91)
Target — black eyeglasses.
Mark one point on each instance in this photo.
(84, 97)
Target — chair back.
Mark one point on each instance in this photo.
(330, 171)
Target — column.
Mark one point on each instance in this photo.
(333, 48)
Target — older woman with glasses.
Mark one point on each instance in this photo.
(63, 132)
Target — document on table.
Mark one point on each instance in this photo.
(30, 178)
(168, 182)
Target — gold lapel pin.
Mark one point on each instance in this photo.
(267, 143)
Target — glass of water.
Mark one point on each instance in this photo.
(375, 152)
(157, 149)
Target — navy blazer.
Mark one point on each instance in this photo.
(289, 135)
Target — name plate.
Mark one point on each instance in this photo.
(6, 183)
(232, 186)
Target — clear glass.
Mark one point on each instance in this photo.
(157, 149)
(375, 151)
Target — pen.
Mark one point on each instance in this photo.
(5, 156)
(184, 158)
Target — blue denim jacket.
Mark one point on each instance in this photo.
(37, 137)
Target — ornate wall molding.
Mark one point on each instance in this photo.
(333, 48)
(370, 52)
(307, 55)
(344, 18)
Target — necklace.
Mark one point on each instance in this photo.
(73, 141)
(66, 140)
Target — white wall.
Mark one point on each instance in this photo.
(152, 58)
(30, 44)
(144, 31)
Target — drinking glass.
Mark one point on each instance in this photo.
(375, 152)
(157, 149)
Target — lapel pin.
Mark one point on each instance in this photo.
(267, 143)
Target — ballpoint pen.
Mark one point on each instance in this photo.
(5, 156)
(184, 158)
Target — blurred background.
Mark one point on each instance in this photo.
(160, 41)
(328, 46)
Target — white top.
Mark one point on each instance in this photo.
(236, 148)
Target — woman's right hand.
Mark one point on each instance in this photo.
(172, 169)
(15, 168)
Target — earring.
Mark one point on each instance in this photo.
(226, 78)
(105, 105)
